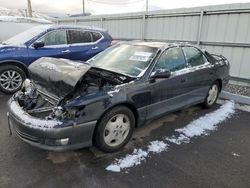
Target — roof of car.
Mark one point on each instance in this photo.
(76, 27)
(157, 44)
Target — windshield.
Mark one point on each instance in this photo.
(127, 59)
(27, 35)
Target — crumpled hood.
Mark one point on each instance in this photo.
(57, 76)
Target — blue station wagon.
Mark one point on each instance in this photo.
(69, 42)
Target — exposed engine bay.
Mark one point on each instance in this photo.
(40, 97)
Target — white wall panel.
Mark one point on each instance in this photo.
(226, 33)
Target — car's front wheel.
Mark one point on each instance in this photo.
(115, 129)
(11, 78)
(212, 95)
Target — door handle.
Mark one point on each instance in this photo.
(66, 51)
(95, 48)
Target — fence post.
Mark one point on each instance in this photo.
(143, 25)
(200, 27)
(102, 22)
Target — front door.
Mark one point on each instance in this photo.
(55, 45)
(171, 91)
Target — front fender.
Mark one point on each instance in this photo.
(92, 107)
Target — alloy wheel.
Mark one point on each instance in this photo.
(10, 80)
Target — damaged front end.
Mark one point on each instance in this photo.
(48, 107)
(57, 82)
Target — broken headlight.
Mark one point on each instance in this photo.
(28, 96)
(61, 113)
(28, 88)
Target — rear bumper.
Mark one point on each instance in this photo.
(225, 81)
(78, 136)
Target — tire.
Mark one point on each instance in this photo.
(11, 78)
(114, 129)
(212, 95)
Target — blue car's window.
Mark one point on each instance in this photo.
(194, 56)
(54, 38)
(172, 60)
(127, 59)
(78, 36)
(96, 36)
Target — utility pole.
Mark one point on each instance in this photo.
(146, 6)
(83, 7)
(29, 8)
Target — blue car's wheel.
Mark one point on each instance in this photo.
(11, 78)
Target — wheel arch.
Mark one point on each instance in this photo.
(126, 104)
(220, 83)
(16, 63)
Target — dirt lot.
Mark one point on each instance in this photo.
(221, 159)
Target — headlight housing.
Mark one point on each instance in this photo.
(61, 113)
(26, 83)
(28, 88)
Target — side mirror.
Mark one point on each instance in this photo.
(38, 44)
(161, 74)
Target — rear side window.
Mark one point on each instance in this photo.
(172, 60)
(96, 36)
(55, 38)
(78, 36)
(194, 56)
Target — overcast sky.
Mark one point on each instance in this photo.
(106, 7)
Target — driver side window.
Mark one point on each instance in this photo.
(55, 38)
(172, 59)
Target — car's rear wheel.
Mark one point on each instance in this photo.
(212, 95)
(115, 129)
(11, 78)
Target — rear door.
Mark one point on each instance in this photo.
(55, 46)
(83, 44)
(200, 76)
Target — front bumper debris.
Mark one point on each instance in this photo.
(49, 134)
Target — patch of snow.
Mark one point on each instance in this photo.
(235, 154)
(130, 160)
(23, 19)
(157, 146)
(178, 140)
(22, 13)
(122, 85)
(138, 155)
(208, 122)
(73, 63)
(31, 121)
(198, 127)
(111, 93)
(118, 87)
(50, 66)
(27, 35)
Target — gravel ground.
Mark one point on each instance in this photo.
(237, 89)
